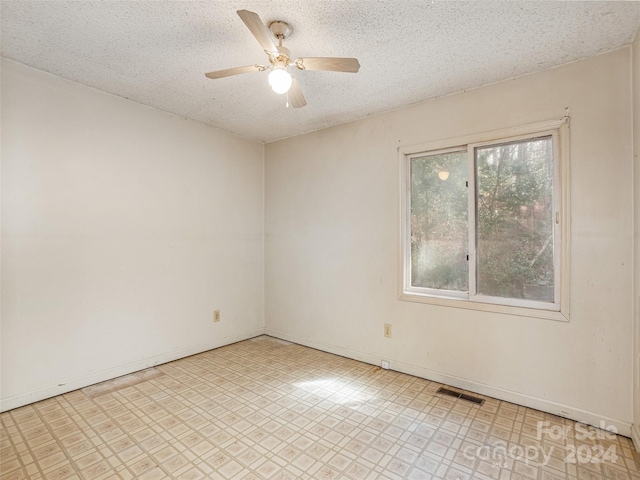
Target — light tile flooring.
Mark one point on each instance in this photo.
(267, 409)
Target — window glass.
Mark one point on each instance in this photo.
(514, 220)
(439, 228)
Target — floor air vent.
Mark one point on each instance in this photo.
(463, 396)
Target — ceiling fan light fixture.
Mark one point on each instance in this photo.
(280, 80)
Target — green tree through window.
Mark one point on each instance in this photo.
(439, 228)
(514, 205)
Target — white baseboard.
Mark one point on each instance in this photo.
(566, 411)
(20, 400)
(325, 347)
(635, 436)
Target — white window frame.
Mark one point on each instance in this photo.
(559, 310)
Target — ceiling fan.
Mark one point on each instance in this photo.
(280, 80)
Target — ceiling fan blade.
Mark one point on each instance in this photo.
(332, 64)
(295, 95)
(234, 71)
(258, 29)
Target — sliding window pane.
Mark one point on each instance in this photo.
(439, 229)
(514, 206)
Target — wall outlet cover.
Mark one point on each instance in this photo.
(387, 330)
(385, 364)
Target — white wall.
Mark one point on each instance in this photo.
(332, 247)
(636, 144)
(123, 228)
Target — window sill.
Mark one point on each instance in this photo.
(561, 316)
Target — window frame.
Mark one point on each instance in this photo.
(559, 310)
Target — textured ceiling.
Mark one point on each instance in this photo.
(156, 52)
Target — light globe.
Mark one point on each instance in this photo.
(279, 80)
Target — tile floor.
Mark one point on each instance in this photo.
(267, 409)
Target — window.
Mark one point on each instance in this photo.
(485, 221)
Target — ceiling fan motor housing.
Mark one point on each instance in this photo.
(285, 54)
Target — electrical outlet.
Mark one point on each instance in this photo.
(385, 364)
(216, 315)
(387, 330)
